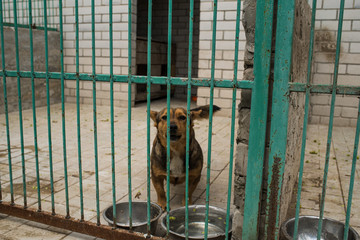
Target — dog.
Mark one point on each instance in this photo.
(178, 118)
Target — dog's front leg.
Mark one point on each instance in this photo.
(193, 182)
(158, 183)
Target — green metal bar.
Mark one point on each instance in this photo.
(94, 111)
(233, 108)
(352, 177)
(202, 82)
(20, 104)
(279, 116)
(48, 109)
(211, 108)
(148, 109)
(331, 119)
(34, 108)
(306, 116)
(258, 117)
(78, 109)
(191, 24)
(6, 104)
(111, 50)
(323, 88)
(168, 97)
(129, 112)
(63, 107)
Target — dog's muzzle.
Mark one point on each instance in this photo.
(173, 133)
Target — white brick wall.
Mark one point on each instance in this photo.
(102, 53)
(349, 65)
(224, 55)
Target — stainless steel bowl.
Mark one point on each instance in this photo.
(216, 223)
(308, 227)
(139, 216)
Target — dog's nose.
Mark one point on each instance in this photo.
(173, 127)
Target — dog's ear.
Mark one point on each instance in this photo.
(202, 112)
(153, 116)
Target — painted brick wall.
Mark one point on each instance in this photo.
(120, 44)
(224, 55)
(324, 55)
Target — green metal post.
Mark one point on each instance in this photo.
(94, 111)
(34, 108)
(63, 106)
(168, 97)
(6, 104)
(352, 176)
(331, 119)
(212, 76)
(191, 26)
(279, 116)
(20, 103)
(148, 109)
(258, 118)
(129, 113)
(112, 110)
(233, 107)
(48, 110)
(78, 109)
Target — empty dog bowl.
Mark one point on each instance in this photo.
(216, 223)
(139, 216)
(308, 227)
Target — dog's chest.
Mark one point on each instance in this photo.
(177, 168)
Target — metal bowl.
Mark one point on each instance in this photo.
(139, 216)
(216, 223)
(308, 226)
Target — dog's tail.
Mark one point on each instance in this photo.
(205, 110)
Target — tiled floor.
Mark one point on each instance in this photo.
(338, 178)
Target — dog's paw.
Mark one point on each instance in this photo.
(162, 204)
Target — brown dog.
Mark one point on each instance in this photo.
(177, 150)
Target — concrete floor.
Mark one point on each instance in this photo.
(338, 177)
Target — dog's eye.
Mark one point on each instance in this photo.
(163, 117)
(182, 117)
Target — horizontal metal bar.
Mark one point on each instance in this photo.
(27, 26)
(324, 88)
(71, 224)
(203, 82)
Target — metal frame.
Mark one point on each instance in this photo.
(259, 112)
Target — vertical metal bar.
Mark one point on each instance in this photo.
(279, 116)
(168, 96)
(6, 104)
(94, 110)
(191, 24)
(258, 117)
(212, 74)
(331, 119)
(48, 109)
(352, 177)
(78, 109)
(148, 109)
(129, 112)
(233, 107)
(19, 102)
(306, 114)
(63, 106)
(112, 110)
(34, 108)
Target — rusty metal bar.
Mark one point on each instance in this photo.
(71, 224)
